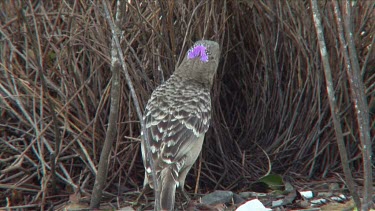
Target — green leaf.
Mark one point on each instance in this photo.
(271, 182)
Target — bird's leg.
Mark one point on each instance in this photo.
(185, 200)
(187, 197)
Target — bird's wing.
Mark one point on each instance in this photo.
(174, 123)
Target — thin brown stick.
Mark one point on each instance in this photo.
(358, 93)
(198, 174)
(332, 102)
(111, 134)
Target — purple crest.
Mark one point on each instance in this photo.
(198, 51)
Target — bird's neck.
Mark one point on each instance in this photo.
(192, 79)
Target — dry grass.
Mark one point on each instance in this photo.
(269, 97)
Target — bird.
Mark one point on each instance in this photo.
(176, 119)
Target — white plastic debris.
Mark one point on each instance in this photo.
(307, 194)
(318, 202)
(340, 198)
(253, 205)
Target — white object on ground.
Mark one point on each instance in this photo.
(253, 205)
(307, 194)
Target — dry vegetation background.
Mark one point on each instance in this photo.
(270, 100)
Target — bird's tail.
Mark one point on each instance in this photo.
(168, 189)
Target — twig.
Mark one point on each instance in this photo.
(136, 103)
(116, 45)
(360, 104)
(332, 101)
(111, 134)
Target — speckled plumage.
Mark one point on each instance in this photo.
(177, 116)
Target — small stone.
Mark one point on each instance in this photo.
(237, 199)
(218, 197)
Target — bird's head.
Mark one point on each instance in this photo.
(200, 62)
